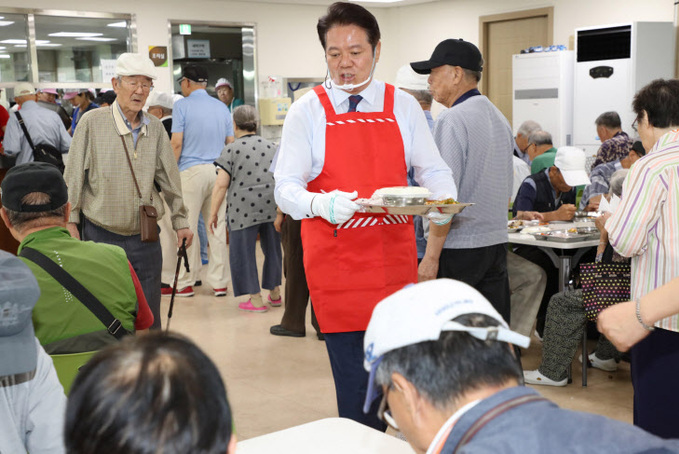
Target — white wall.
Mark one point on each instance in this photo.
(415, 30)
(287, 44)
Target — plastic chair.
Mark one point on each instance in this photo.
(68, 366)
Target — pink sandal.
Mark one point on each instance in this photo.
(275, 303)
(247, 306)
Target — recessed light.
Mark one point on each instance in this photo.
(13, 41)
(5, 56)
(74, 34)
(4, 23)
(96, 39)
(121, 24)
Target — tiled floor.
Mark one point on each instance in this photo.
(279, 382)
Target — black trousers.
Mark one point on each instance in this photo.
(296, 289)
(351, 380)
(483, 268)
(146, 259)
(655, 371)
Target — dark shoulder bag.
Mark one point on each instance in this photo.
(148, 216)
(42, 152)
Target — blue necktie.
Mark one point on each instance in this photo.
(353, 102)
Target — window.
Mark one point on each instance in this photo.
(14, 55)
(78, 49)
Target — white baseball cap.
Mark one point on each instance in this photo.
(407, 78)
(129, 64)
(23, 89)
(223, 82)
(159, 98)
(420, 313)
(571, 162)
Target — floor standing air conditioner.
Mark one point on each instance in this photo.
(611, 64)
(543, 92)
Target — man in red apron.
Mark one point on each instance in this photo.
(345, 139)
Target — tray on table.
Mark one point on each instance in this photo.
(563, 236)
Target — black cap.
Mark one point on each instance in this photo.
(33, 177)
(195, 73)
(638, 147)
(107, 97)
(453, 52)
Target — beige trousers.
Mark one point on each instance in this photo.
(197, 184)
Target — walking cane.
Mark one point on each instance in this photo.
(181, 254)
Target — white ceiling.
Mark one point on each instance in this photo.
(329, 2)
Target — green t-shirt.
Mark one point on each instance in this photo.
(62, 323)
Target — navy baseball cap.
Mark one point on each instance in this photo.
(453, 52)
(195, 73)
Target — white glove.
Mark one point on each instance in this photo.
(439, 218)
(336, 207)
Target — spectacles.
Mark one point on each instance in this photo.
(384, 413)
(635, 123)
(135, 84)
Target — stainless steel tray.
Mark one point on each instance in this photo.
(570, 238)
(413, 210)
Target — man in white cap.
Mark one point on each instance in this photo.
(159, 104)
(32, 401)
(441, 357)
(105, 195)
(225, 94)
(416, 85)
(551, 192)
(43, 126)
(47, 98)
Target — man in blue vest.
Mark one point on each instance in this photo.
(551, 192)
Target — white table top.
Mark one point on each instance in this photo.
(329, 436)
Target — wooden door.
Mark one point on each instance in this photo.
(504, 35)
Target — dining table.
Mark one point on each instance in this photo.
(563, 261)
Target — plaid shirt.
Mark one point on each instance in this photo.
(100, 184)
(614, 148)
(600, 179)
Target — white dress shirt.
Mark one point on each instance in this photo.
(302, 149)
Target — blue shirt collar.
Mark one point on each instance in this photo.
(144, 119)
(466, 96)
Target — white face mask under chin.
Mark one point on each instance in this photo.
(349, 87)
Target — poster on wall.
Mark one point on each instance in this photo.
(158, 55)
(198, 48)
(108, 69)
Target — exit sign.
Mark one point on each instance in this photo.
(184, 29)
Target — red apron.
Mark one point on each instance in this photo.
(352, 266)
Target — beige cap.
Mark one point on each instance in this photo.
(159, 98)
(129, 64)
(23, 89)
(407, 78)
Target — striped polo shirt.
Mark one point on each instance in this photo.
(646, 224)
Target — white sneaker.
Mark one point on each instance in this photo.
(608, 365)
(534, 377)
